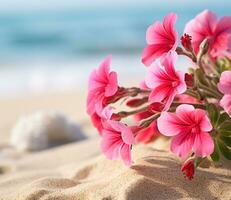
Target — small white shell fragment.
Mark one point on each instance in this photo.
(42, 130)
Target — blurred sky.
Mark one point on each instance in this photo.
(53, 44)
(13, 5)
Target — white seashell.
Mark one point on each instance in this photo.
(42, 130)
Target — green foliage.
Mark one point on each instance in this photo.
(226, 152)
(225, 128)
(222, 132)
(223, 64)
(215, 155)
(223, 117)
(214, 114)
(199, 75)
(226, 140)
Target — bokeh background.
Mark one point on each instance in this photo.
(52, 45)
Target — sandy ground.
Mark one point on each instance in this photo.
(78, 170)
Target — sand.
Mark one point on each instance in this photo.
(78, 171)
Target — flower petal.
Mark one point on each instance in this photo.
(168, 124)
(125, 153)
(203, 145)
(182, 144)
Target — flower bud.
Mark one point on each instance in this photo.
(156, 107)
(186, 42)
(136, 102)
(204, 47)
(189, 80)
(188, 169)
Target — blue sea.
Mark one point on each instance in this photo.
(58, 48)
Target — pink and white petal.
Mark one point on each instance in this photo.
(225, 103)
(159, 94)
(99, 104)
(111, 148)
(155, 34)
(200, 117)
(224, 84)
(152, 52)
(96, 121)
(107, 112)
(128, 136)
(182, 144)
(125, 154)
(202, 26)
(155, 76)
(168, 61)
(205, 124)
(184, 112)
(182, 87)
(112, 86)
(91, 102)
(169, 100)
(104, 67)
(94, 81)
(124, 130)
(223, 25)
(184, 108)
(203, 145)
(169, 22)
(169, 124)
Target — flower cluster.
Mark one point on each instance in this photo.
(193, 108)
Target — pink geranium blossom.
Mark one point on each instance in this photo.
(190, 129)
(165, 82)
(225, 102)
(184, 98)
(224, 86)
(218, 32)
(102, 84)
(117, 140)
(146, 135)
(161, 38)
(98, 120)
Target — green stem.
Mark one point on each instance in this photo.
(124, 114)
(196, 105)
(145, 123)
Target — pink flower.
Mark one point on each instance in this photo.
(224, 86)
(102, 84)
(161, 38)
(165, 82)
(117, 140)
(97, 120)
(190, 129)
(146, 135)
(188, 169)
(184, 98)
(225, 103)
(206, 25)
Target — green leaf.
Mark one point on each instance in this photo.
(225, 133)
(200, 77)
(224, 149)
(223, 117)
(226, 140)
(225, 128)
(223, 64)
(215, 155)
(213, 113)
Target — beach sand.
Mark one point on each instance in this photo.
(78, 171)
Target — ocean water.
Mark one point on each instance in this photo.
(57, 49)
